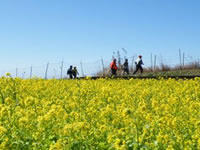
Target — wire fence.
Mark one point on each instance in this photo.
(59, 70)
(54, 70)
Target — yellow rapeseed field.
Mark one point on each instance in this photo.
(103, 114)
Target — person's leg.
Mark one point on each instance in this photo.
(112, 72)
(127, 71)
(115, 72)
(123, 73)
(141, 69)
(137, 67)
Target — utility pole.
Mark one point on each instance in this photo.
(183, 59)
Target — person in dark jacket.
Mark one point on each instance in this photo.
(113, 67)
(139, 64)
(75, 72)
(125, 67)
(70, 72)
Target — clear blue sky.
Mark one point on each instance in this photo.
(33, 32)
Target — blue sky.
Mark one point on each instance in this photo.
(34, 32)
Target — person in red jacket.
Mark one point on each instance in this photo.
(113, 67)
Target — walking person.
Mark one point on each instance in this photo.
(113, 67)
(125, 67)
(75, 72)
(139, 64)
(70, 72)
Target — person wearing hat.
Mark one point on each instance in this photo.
(113, 67)
(139, 64)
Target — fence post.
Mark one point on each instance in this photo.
(103, 66)
(46, 70)
(133, 61)
(16, 72)
(151, 62)
(183, 59)
(82, 69)
(155, 63)
(180, 57)
(31, 69)
(61, 69)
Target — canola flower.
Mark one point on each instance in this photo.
(112, 114)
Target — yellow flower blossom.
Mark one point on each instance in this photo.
(99, 114)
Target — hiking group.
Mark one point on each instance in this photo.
(125, 67)
(72, 72)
